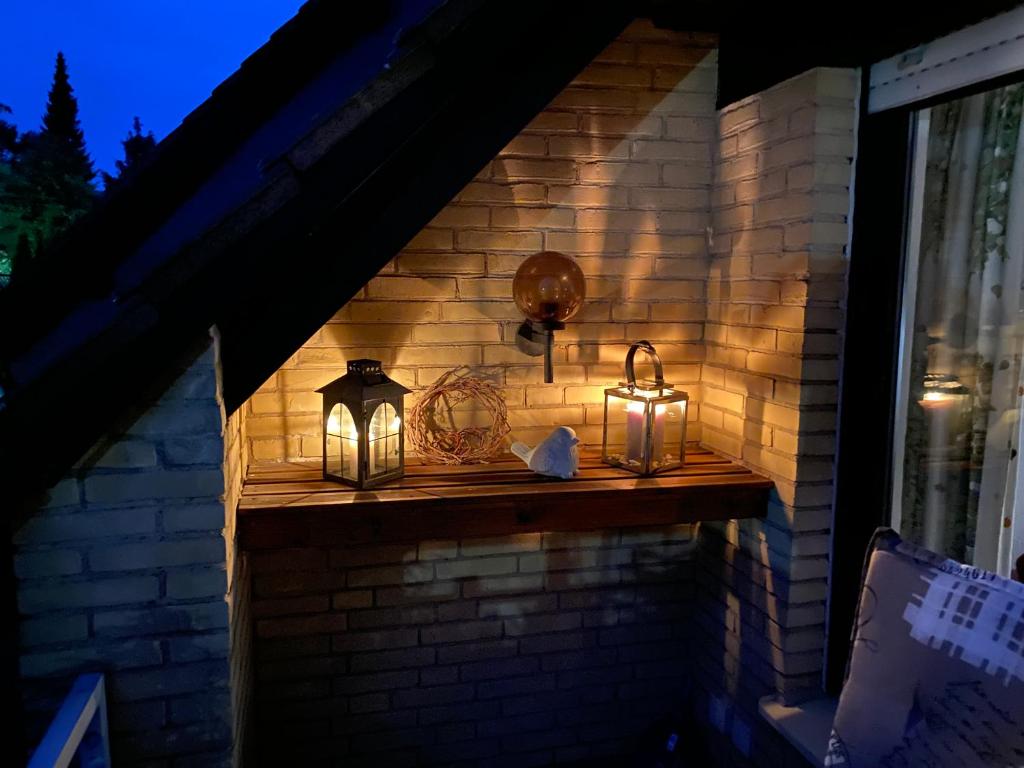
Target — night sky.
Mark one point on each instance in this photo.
(157, 59)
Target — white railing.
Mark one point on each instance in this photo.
(79, 727)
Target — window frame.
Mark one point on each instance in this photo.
(867, 386)
(871, 361)
(920, 122)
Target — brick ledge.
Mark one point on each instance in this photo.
(806, 726)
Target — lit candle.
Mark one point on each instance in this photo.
(372, 449)
(658, 443)
(348, 445)
(635, 431)
(352, 452)
(636, 428)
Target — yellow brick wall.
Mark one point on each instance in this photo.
(617, 172)
(776, 289)
(777, 277)
(238, 581)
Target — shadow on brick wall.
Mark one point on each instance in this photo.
(525, 650)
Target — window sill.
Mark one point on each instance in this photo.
(806, 726)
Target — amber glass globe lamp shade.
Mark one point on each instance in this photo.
(549, 288)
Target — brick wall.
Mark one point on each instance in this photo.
(616, 172)
(238, 585)
(770, 388)
(520, 650)
(718, 236)
(123, 571)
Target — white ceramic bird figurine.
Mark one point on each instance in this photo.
(556, 455)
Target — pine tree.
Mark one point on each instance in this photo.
(51, 174)
(10, 217)
(137, 147)
(61, 129)
(8, 136)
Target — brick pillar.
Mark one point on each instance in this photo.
(124, 572)
(236, 461)
(770, 387)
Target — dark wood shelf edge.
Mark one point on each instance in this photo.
(419, 519)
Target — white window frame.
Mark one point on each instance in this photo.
(908, 310)
(969, 57)
(985, 51)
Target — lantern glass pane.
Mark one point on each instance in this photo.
(645, 430)
(616, 413)
(670, 424)
(385, 432)
(342, 443)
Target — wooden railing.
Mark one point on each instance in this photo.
(79, 728)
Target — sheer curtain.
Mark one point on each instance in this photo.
(959, 473)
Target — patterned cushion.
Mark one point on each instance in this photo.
(936, 674)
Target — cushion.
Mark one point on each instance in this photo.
(936, 671)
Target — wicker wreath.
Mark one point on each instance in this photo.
(431, 422)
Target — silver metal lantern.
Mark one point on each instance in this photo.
(645, 420)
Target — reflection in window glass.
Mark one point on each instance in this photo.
(957, 429)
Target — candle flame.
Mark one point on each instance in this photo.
(334, 427)
(638, 407)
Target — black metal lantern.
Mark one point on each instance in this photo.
(644, 421)
(364, 426)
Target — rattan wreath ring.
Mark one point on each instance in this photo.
(431, 423)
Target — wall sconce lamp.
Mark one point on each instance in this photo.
(548, 288)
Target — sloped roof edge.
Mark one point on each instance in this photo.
(368, 175)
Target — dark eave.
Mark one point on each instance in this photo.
(321, 217)
(186, 159)
(762, 44)
(391, 176)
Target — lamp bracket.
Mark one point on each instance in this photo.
(536, 339)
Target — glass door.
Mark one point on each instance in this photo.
(957, 437)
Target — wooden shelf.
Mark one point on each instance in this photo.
(289, 504)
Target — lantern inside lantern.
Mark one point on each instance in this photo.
(644, 421)
(363, 426)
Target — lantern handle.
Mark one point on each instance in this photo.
(646, 346)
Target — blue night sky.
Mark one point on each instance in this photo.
(158, 59)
